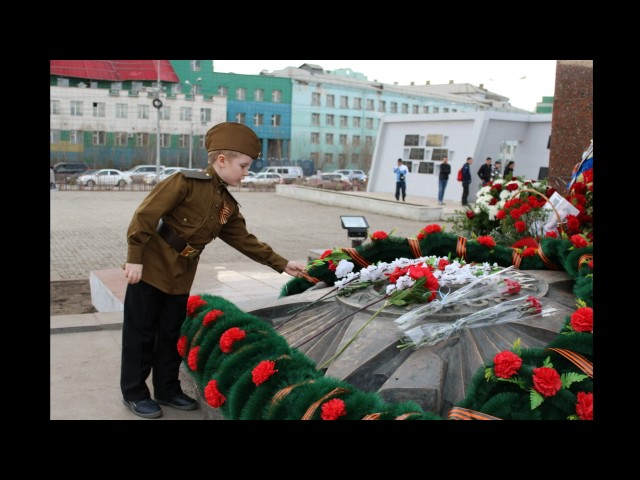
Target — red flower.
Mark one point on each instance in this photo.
(516, 213)
(584, 405)
(546, 381)
(193, 358)
(506, 364)
(228, 338)
(511, 186)
(182, 345)
(573, 224)
(501, 214)
(263, 371)
(525, 242)
(213, 395)
(520, 226)
(211, 316)
(325, 254)
(470, 214)
(420, 236)
(397, 273)
(513, 287)
(529, 252)
(333, 409)
(432, 228)
(590, 264)
(582, 320)
(579, 241)
(493, 201)
(379, 235)
(551, 234)
(442, 263)
(193, 304)
(487, 241)
(416, 271)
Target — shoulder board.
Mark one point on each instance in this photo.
(196, 175)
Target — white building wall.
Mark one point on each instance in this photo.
(477, 135)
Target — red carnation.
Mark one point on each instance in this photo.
(493, 201)
(182, 345)
(228, 338)
(470, 214)
(433, 228)
(525, 242)
(546, 381)
(551, 234)
(211, 316)
(420, 236)
(511, 186)
(590, 264)
(579, 241)
(193, 358)
(333, 409)
(263, 371)
(416, 271)
(501, 214)
(513, 286)
(379, 235)
(584, 405)
(487, 241)
(213, 395)
(325, 254)
(397, 273)
(573, 224)
(529, 252)
(516, 213)
(506, 364)
(520, 226)
(582, 320)
(442, 263)
(194, 303)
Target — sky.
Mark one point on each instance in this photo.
(524, 82)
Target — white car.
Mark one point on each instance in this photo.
(104, 176)
(353, 174)
(266, 179)
(152, 178)
(137, 174)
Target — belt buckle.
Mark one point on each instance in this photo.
(189, 251)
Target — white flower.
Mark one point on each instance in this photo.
(343, 268)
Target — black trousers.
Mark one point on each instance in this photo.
(465, 193)
(401, 188)
(150, 332)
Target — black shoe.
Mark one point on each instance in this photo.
(180, 401)
(146, 408)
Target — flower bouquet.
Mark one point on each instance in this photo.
(514, 310)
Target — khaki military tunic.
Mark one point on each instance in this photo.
(199, 208)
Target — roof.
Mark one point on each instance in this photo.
(114, 70)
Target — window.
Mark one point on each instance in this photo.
(355, 140)
(439, 153)
(434, 141)
(63, 82)
(342, 158)
(416, 154)
(330, 119)
(405, 108)
(355, 158)
(116, 86)
(120, 139)
(136, 87)
(275, 120)
(202, 139)
(445, 110)
(223, 91)
(54, 136)
(99, 109)
(276, 96)
(165, 113)
(357, 103)
(343, 139)
(241, 93)
(183, 141)
(331, 101)
(258, 95)
(370, 104)
(314, 157)
(368, 141)
(54, 107)
(143, 112)
(258, 119)
(205, 115)
(425, 167)
(394, 107)
(356, 121)
(425, 109)
(411, 140)
(415, 109)
(195, 65)
(76, 109)
(185, 114)
(121, 110)
(315, 137)
(315, 119)
(241, 118)
(75, 137)
(142, 139)
(328, 139)
(328, 158)
(344, 102)
(436, 109)
(382, 106)
(369, 122)
(165, 140)
(344, 120)
(315, 99)
(99, 138)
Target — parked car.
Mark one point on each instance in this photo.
(137, 174)
(289, 174)
(266, 179)
(70, 168)
(330, 181)
(353, 174)
(105, 176)
(152, 178)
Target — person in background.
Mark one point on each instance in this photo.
(484, 172)
(508, 170)
(166, 236)
(443, 178)
(496, 171)
(401, 172)
(52, 178)
(466, 180)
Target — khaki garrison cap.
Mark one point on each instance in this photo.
(233, 136)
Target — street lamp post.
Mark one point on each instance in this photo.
(193, 87)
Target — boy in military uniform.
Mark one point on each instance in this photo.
(166, 237)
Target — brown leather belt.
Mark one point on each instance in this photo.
(176, 242)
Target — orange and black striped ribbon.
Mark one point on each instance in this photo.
(312, 408)
(459, 413)
(309, 278)
(414, 244)
(548, 263)
(516, 258)
(372, 416)
(578, 360)
(461, 248)
(404, 416)
(283, 392)
(356, 257)
(586, 258)
(225, 211)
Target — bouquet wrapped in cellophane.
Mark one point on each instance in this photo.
(515, 310)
